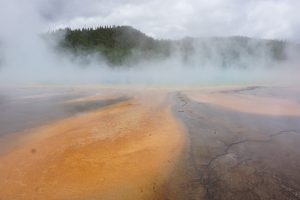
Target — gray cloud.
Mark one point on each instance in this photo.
(168, 18)
(180, 18)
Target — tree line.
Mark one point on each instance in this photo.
(123, 44)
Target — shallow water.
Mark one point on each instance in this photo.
(25, 108)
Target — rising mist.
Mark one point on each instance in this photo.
(27, 57)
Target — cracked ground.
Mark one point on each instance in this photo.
(213, 143)
(240, 155)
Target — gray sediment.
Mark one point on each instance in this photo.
(235, 155)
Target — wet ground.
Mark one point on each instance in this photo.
(238, 142)
(24, 108)
(123, 150)
(238, 155)
(27, 107)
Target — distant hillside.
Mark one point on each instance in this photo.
(116, 44)
(123, 45)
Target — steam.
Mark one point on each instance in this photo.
(25, 57)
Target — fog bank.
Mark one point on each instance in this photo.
(25, 57)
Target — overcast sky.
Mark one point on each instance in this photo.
(167, 18)
(25, 56)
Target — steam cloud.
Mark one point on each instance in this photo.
(26, 58)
